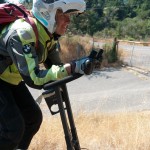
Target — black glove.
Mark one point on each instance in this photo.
(82, 66)
(87, 64)
(98, 59)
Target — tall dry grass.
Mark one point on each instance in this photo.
(74, 47)
(123, 131)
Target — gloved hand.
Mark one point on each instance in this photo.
(68, 68)
(87, 64)
(97, 57)
(82, 66)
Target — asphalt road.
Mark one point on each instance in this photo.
(107, 91)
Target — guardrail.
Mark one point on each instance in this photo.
(134, 42)
(132, 53)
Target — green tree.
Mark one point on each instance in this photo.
(2, 1)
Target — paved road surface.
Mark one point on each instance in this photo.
(110, 90)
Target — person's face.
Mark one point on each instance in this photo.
(62, 22)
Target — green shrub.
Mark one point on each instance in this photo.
(110, 52)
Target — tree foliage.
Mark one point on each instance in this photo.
(2, 1)
(128, 19)
(120, 18)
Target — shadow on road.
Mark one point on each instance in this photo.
(101, 73)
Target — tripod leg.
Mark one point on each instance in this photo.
(70, 117)
(68, 137)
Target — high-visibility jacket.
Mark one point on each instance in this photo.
(19, 59)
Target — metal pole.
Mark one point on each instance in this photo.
(132, 54)
(68, 137)
(75, 139)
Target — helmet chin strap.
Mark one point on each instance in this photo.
(53, 34)
(56, 36)
(54, 27)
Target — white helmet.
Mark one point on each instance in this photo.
(45, 10)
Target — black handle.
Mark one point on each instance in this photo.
(63, 81)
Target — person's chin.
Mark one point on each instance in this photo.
(63, 32)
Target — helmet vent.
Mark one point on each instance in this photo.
(49, 1)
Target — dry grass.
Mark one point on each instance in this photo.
(74, 47)
(123, 131)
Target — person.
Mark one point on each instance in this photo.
(20, 116)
